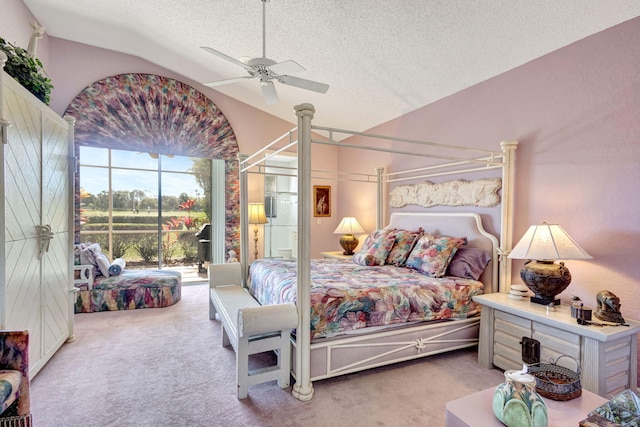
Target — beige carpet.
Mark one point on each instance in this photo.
(166, 367)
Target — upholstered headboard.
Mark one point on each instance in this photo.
(466, 224)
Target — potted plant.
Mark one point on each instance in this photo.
(27, 70)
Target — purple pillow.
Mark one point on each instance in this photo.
(468, 263)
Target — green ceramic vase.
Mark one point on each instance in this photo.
(516, 402)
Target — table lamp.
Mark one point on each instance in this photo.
(348, 227)
(256, 216)
(541, 245)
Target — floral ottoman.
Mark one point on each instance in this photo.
(131, 290)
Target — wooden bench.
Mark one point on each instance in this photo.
(251, 328)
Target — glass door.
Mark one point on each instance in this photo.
(143, 207)
(281, 207)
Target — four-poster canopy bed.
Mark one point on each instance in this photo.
(406, 335)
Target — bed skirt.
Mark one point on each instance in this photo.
(133, 289)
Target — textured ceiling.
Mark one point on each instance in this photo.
(381, 59)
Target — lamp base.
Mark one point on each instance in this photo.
(348, 242)
(546, 279)
(545, 301)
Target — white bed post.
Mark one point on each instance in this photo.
(303, 389)
(244, 227)
(506, 235)
(380, 199)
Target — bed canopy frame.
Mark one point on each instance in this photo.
(465, 160)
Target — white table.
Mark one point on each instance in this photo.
(476, 410)
(335, 255)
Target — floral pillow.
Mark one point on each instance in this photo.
(375, 249)
(432, 254)
(405, 240)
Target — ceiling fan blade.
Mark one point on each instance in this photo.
(286, 67)
(227, 81)
(227, 57)
(269, 92)
(304, 84)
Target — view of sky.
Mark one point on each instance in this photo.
(95, 180)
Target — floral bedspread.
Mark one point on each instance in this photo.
(346, 296)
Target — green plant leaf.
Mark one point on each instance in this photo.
(27, 71)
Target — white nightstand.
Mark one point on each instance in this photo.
(607, 355)
(335, 255)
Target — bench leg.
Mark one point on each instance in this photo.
(226, 342)
(212, 310)
(242, 367)
(284, 359)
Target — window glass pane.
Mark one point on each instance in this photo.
(176, 163)
(177, 184)
(182, 213)
(94, 198)
(128, 180)
(135, 195)
(181, 201)
(133, 159)
(94, 156)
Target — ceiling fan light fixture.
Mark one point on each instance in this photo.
(268, 70)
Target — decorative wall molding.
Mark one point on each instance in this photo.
(480, 192)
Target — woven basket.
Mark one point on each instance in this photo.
(556, 382)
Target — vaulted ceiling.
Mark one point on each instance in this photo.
(382, 59)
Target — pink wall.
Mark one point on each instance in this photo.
(576, 115)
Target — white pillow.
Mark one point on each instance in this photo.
(103, 264)
(93, 255)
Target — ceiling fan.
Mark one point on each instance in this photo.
(268, 71)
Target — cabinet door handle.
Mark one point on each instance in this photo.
(44, 235)
(4, 129)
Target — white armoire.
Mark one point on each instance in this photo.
(36, 221)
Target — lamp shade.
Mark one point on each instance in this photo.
(547, 242)
(349, 225)
(256, 213)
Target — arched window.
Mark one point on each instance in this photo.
(154, 114)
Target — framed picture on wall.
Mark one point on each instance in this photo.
(321, 200)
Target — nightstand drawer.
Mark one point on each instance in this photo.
(507, 338)
(507, 321)
(555, 343)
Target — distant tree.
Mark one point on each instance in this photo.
(202, 170)
(169, 203)
(137, 197)
(101, 201)
(183, 197)
(122, 200)
(149, 202)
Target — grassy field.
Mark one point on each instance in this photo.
(153, 213)
(179, 246)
